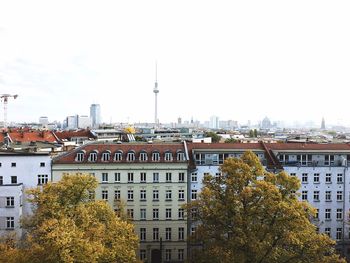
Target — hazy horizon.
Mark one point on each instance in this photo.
(237, 60)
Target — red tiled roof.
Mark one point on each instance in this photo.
(125, 148)
(71, 134)
(35, 136)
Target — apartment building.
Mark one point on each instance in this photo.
(19, 171)
(151, 179)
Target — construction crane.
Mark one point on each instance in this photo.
(4, 98)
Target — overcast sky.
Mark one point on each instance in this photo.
(240, 60)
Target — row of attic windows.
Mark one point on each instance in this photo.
(130, 156)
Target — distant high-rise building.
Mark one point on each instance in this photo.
(84, 121)
(44, 120)
(266, 123)
(179, 120)
(95, 115)
(214, 122)
(323, 124)
(72, 122)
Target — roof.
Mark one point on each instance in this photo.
(308, 146)
(226, 146)
(29, 136)
(124, 148)
(62, 135)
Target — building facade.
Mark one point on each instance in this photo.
(151, 179)
(19, 171)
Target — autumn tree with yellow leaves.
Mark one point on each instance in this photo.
(250, 215)
(67, 226)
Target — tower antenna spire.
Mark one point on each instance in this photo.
(156, 91)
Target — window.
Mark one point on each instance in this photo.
(339, 195)
(130, 213)
(327, 214)
(168, 156)
(168, 213)
(10, 201)
(339, 214)
(181, 235)
(42, 164)
(117, 177)
(316, 178)
(143, 195)
(42, 179)
(155, 195)
(181, 213)
(167, 254)
(93, 157)
(180, 254)
(327, 231)
(105, 195)
(339, 233)
(91, 195)
(10, 222)
(130, 177)
(328, 196)
(117, 194)
(155, 233)
(1, 180)
(143, 177)
(339, 178)
(13, 164)
(181, 177)
(155, 156)
(168, 195)
(143, 157)
(316, 196)
(118, 156)
(143, 254)
(104, 177)
(143, 214)
(142, 234)
(130, 195)
(79, 157)
(13, 179)
(181, 195)
(180, 156)
(106, 156)
(193, 194)
(328, 178)
(317, 214)
(168, 233)
(194, 177)
(130, 157)
(155, 213)
(304, 178)
(168, 177)
(155, 177)
(293, 174)
(329, 159)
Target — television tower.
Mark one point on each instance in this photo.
(156, 91)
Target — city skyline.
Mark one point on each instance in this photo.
(287, 61)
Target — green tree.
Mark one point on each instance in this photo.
(251, 133)
(214, 137)
(250, 215)
(255, 132)
(67, 226)
(230, 140)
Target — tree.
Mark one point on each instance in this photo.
(251, 133)
(67, 226)
(250, 215)
(214, 137)
(255, 132)
(231, 140)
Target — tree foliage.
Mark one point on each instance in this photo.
(231, 140)
(214, 137)
(250, 215)
(68, 227)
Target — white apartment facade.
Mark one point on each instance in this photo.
(151, 179)
(19, 171)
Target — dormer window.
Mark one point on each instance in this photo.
(106, 156)
(180, 156)
(131, 156)
(143, 157)
(168, 156)
(155, 156)
(118, 156)
(79, 157)
(93, 157)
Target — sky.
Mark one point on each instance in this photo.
(239, 60)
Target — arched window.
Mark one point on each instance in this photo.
(118, 156)
(143, 156)
(80, 156)
(168, 156)
(180, 155)
(106, 156)
(131, 156)
(93, 156)
(155, 156)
